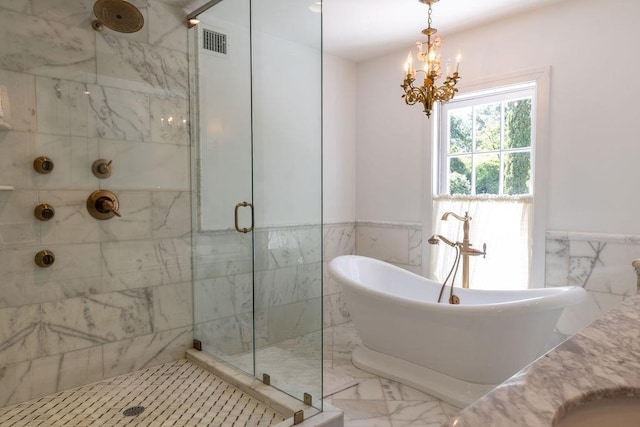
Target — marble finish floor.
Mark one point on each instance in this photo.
(172, 394)
(376, 401)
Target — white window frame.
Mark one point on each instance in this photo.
(539, 155)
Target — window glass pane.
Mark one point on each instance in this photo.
(517, 173)
(488, 127)
(517, 122)
(460, 175)
(487, 174)
(460, 130)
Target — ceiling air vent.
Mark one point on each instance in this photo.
(214, 41)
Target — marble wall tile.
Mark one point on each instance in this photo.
(72, 157)
(169, 119)
(308, 282)
(118, 114)
(17, 226)
(172, 306)
(135, 223)
(75, 13)
(556, 262)
(84, 322)
(144, 263)
(293, 320)
(285, 247)
(39, 377)
(140, 67)
(145, 351)
(335, 310)
(384, 243)
(170, 214)
(54, 49)
(222, 254)
(19, 334)
(76, 272)
(16, 161)
(19, 103)
(227, 336)
(72, 222)
(415, 246)
(146, 166)
(329, 285)
(339, 239)
(63, 107)
(167, 26)
(275, 287)
(223, 297)
(23, 6)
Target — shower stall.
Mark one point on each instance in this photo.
(160, 189)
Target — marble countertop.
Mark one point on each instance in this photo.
(603, 356)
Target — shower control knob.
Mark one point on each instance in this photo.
(103, 204)
(45, 259)
(44, 212)
(43, 165)
(101, 168)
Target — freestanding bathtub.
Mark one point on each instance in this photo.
(454, 352)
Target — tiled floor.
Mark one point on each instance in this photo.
(173, 394)
(375, 401)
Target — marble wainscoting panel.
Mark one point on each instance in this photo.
(145, 351)
(140, 67)
(78, 323)
(76, 272)
(23, 6)
(172, 306)
(43, 376)
(54, 49)
(146, 166)
(118, 114)
(17, 227)
(222, 253)
(308, 281)
(72, 157)
(275, 287)
(336, 311)
(167, 26)
(144, 263)
(279, 247)
(291, 321)
(601, 264)
(228, 336)
(223, 297)
(19, 105)
(169, 119)
(170, 214)
(396, 243)
(63, 107)
(16, 161)
(339, 239)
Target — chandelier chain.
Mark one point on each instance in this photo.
(429, 17)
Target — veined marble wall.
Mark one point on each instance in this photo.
(118, 297)
(600, 263)
(396, 243)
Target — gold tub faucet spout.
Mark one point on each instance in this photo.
(465, 246)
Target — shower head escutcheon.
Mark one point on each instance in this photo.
(117, 15)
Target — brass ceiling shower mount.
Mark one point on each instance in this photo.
(117, 15)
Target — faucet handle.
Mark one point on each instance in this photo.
(484, 249)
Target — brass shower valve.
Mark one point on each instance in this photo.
(103, 204)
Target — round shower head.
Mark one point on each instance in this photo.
(118, 15)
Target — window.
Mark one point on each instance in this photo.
(487, 142)
(486, 149)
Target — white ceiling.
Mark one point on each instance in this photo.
(362, 29)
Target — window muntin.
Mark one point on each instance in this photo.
(486, 143)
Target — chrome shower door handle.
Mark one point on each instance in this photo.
(235, 217)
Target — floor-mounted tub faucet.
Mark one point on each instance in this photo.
(465, 246)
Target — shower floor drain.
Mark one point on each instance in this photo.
(133, 411)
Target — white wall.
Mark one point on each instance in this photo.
(339, 139)
(593, 146)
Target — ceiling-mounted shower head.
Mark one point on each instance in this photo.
(118, 15)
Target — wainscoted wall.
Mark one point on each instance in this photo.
(600, 263)
(339, 239)
(397, 243)
(118, 297)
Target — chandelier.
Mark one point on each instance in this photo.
(428, 53)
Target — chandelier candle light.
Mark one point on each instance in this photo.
(428, 53)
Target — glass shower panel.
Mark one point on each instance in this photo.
(223, 257)
(287, 167)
